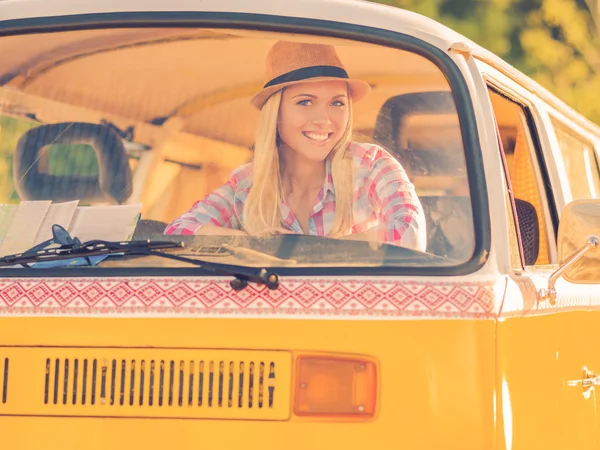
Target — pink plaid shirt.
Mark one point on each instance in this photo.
(383, 198)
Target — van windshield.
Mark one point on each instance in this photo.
(251, 147)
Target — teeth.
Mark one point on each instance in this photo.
(317, 136)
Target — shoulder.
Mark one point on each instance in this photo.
(366, 155)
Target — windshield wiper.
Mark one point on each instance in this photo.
(69, 248)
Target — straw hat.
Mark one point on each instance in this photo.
(291, 62)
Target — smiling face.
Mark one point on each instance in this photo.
(313, 117)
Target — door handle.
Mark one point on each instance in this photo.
(588, 380)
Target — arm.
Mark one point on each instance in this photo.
(215, 214)
(401, 216)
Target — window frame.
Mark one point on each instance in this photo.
(515, 233)
(536, 129)
(458, 79)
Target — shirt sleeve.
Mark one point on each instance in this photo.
(401, 216)
(217, 208)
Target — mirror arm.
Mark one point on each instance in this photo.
(550, 293)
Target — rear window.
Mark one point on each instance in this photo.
(251, 148)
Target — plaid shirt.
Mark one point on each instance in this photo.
(383, 198)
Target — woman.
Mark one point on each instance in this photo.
(307, 175)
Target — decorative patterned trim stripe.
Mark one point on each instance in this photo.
(139, 297)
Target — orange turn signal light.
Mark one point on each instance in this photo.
(327, 386)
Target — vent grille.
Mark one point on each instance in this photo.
(208, 384)
(161, 383)
(4, 366)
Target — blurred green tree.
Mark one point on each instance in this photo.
(555, 42)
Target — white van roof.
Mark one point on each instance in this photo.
(347, 11)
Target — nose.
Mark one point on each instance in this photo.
(320, 117)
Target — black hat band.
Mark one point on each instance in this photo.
(308, 72)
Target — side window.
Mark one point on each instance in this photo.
(529, 203)
(580, 161)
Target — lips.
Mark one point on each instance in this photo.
(317, 136)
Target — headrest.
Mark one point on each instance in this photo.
(114, 180)
(395, 108)
(529, 230)
(391, 132)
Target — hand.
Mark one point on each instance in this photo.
(212, 230)
(369, 235)
(279, 230)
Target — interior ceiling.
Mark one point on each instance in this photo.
(206, 77)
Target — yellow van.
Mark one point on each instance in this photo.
(116, 118)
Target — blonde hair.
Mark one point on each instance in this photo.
(262, 206)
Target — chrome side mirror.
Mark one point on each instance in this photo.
(578, 243)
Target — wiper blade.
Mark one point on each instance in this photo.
(85, 250)
(243, 274)
(75, 249)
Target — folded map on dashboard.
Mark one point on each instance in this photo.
(30, 223)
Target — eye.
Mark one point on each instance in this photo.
(338, 103)
(306, 102)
